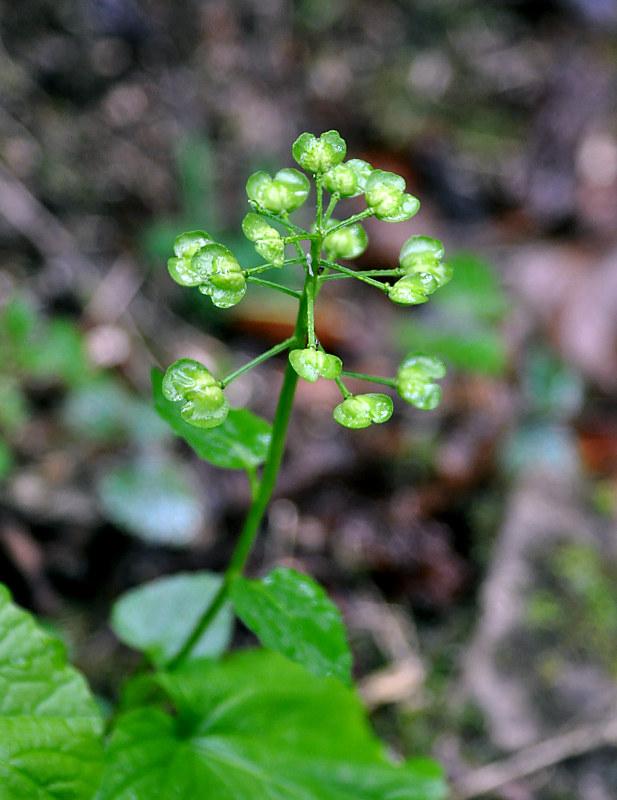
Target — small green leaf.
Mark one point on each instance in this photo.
(158, 618)
(256, 726)
(292, 614)
(158, 502)
(241, 442)
(50, 726)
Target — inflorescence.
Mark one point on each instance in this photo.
(201, 262)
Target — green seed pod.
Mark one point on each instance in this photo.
(421, 254)
(347, 242)
(319, 155)
(284, 193)
(361, 410)
(385, 195)
(419, 248)
(185, 246)
(268, 241)
(413, 290)
(310, 364)
(348, 179)
(212, 259)
(191, 383)
(415, 380)
(221, 276)
(225, 289)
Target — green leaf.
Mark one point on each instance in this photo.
(241, 442)
(6, 459)
(158, 618)
(468, 346)
(475, 292)
(50, 726)
(292, 614)
(256, 727)
(159, 502)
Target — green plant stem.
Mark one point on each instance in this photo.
(277, 286)
(331, 205)
(312, 278)
(278, 348)
(270, 265)
(365, 273)
(319, 188)
(289, 225)
(344, 390)
(371, 378)
(368, 212)
(263, 491)
(353, 274)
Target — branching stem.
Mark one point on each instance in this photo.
(276, 286)
(370, 378)
(278, 348)
(353, 274)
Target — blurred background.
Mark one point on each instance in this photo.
(473, 549)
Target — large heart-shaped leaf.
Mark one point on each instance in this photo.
(158, 618)
(292, 614)
(241, 442)
(50, 726)
(257, 727)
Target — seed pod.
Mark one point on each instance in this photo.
(189, 382)
(385, 195)
(360, 410)
(185, 246)
(348, 179)
(348, 242)
(286, 192)
(319, 155)
(310, 364)
(415, 380)
(268, 241)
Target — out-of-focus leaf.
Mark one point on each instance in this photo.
(550, 386)
(159, 502)
(103, 410)
(6, 459)
(58, 353)
(292, 614)
(158, 618)
(13, 406)
(241, 442)
(50, 727)
(471, 348)
(256, 726)
(474, 292)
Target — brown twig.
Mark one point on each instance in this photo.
(539, 756)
